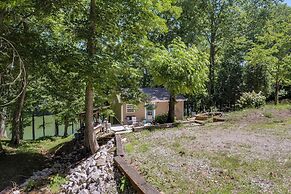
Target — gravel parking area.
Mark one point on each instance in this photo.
(249, 153)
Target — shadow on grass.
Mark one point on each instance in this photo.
(51, 138)
(17, 167)
(19, 162)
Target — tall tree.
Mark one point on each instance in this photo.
(90, 135)
(273, 48)
(215, 24)
(21, 23)
(180, 69)
(208, 19)
(108, 54)
(3, 117)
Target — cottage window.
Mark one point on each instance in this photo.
(130, 108)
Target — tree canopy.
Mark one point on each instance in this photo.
(66, 57)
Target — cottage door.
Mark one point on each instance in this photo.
(149, 115)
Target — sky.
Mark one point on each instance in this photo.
(288, 2)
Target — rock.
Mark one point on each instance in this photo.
(84, 191)
(101, 162)
(95, 175)
(97, 155)
(95, 192)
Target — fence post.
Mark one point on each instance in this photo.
(33, 126)
(43, 124)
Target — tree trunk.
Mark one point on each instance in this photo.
(43, 124)
(1, 148)
(2, 130)
(66, 127)
(56, 127)
(89, 133)
(211, 69)
(33, 126)
(3, 133)
(21, 127)
(15, 140)
(277, 89)
(171, 113)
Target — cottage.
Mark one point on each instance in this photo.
(156, 104)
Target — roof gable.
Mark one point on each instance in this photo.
(160, 94)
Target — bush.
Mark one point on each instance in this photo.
(55, 183)
(161, 119)
(251, 100)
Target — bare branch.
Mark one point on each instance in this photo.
(9, 82)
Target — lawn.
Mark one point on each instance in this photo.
(249, 153)
(49, 128)
(18, 164)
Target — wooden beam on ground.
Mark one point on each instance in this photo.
(218, 119)
(137, 181)
(119, 146)
(199, 122)
(201, 117)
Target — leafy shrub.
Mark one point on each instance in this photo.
(30, 185)
(124, 183)
(251, 100)
(55, 183)
(161, 119)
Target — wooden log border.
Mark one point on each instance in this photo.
(138, 182)
(119, 146)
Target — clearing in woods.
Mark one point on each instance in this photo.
(249, 153)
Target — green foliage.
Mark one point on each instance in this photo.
(150, 106)
(136, 38)
(161, 119)
(123, 184)
(105, 114)
(251, 100)
(55, 182)
(180, 69)
(272, 51)
(31, 185)
(257, 79)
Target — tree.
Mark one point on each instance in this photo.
(273, 48)
(13, 81)
(208, 22)
(215, 25)
(107, 52)
(180, 69)
(257, 78)
(22, 23)
(3, 124)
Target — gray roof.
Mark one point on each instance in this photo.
(160, 94)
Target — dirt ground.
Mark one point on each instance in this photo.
(249, 153)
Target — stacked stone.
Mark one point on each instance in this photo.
(94, 175)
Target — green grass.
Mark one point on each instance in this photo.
(129, 148)
(49, 128)
(19, 163)
(144, 147)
